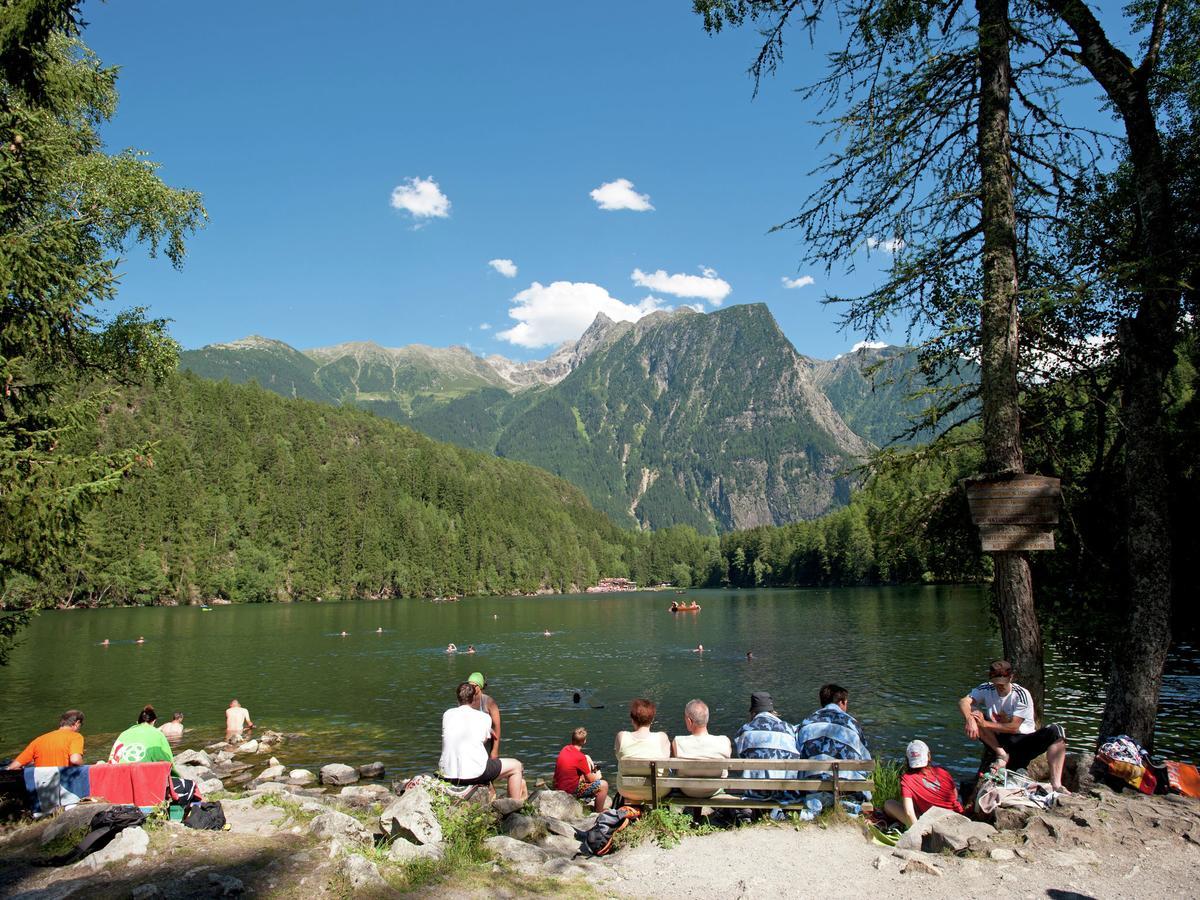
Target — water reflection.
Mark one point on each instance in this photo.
(906, 654)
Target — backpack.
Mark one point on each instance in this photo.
(205, 816)
(598, 840)
(105, 825)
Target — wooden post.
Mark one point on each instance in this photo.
(837, 787)
(654, 785)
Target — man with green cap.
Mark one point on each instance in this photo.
(486, 704)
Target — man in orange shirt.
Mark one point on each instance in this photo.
(63, 747)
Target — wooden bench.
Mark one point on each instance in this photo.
(657, 776)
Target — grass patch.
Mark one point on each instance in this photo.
(887, 781)
(663, 825)
(290, 808)
(65, 842)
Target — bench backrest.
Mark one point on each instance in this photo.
(659, 776)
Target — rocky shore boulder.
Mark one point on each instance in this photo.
(954, 833)
(301, 776)
(915, 836)
(338, 774)
(403, 851)
(128, 842)
(411, 817)
(371, 770)
(340, 826)
(555, 805)
(525, 857)
(194, 758)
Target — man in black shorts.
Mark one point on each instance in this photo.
(1006, 725)
(464, 759)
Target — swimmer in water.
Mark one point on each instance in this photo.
(343, 634)
(699, 648)
(104, 643)
(140, 640)
(450, 648)
(576, 697)
(546, 633)
(494, 616)
(470, 648)
(379, 630)
(749, 654)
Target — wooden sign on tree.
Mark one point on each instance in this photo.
(1016, 512)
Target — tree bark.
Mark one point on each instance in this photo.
(1012, 586)
(1145, 344)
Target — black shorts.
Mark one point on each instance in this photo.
(491, 772)
(1025, 748)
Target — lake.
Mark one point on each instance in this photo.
(906, 655)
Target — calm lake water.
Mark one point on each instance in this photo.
(905, 654)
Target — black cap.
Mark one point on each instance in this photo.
(760, 701)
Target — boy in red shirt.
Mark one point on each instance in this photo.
(922, 787)
(577, 775)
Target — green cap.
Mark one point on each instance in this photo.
(477, 678)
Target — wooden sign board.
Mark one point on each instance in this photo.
(1015, 538)
(1019, 500)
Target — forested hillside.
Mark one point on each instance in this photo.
(250, 497)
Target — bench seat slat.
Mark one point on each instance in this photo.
(716, 766)
(764, 784)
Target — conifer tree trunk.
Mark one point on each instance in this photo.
(1146, 344)
(1012, 586)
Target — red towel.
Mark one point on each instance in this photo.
(141, 784)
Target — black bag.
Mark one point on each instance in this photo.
(205, 816)
(105, 825)
(598, 840)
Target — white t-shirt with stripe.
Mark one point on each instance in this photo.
(1016, 702)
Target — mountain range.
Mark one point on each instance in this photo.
(712, 420)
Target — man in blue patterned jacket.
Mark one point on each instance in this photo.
(766, 736)
(832, 733)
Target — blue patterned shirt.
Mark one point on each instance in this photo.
(767, 736)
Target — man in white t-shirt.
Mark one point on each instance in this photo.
(1005, 723)
(237, 720)
(465, 759)
(699, 744)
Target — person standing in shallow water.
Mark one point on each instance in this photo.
(237, 720)
(173, 730)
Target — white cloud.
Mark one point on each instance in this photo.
(706, 285)
(887, 245)
(505, 267)
(620, 194)
(485, 326)
(422, 198)
(868, 345)
(561, 311)
(802, 281)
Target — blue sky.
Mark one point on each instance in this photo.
(362, 163)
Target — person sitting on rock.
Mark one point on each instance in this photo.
(577, 775)
(832, 733)
(766, 736)
(464, 760)
(640, 743)
(141, 742)
(486, 704)
(922, 787)
(58, 748)
(173, 730)
(699, 744)
(237, 720)
(1006, 725)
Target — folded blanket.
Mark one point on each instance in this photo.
(52, 787)
(139, 784)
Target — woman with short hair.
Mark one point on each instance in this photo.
(640, 743)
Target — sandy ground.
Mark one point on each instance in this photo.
(841, 862)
